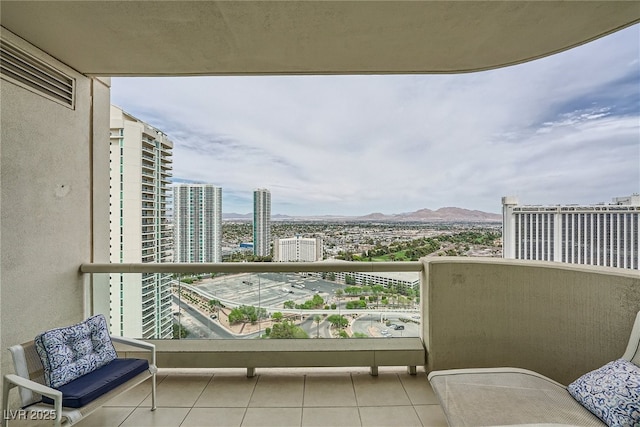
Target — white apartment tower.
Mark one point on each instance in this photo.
(602, 234)
(261, 222)
(140, 173)
(197, 223)
(297, 249)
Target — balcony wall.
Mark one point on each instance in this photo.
(557, 319)
(46, 199)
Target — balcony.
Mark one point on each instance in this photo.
(529, 314)
(277, 397)
(475, 312)
(532, 315)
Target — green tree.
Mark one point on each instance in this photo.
(277, 316)
(337, 320)
(317, 318)
(289, 304)
(236, 315)
(247, 313)
(179, 331)
(287, 329)
(353, 290)
(214, 306)
(317, 300)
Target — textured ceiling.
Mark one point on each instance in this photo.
(307, 37)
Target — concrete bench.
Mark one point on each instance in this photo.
(288, 353)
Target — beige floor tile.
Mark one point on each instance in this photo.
(418, 389)
(227, 392)
(272, 417)
(330, 417)
(161, 417)
(26, 422)
(385, 389)
(392, 416)
(136, 395)
(431, 415)
(214, 417)
(179, 390)
(106, 417)
(278, 391)
(329, 390)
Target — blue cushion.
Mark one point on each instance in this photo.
(68, 353)
(612, 393)
(89, 387)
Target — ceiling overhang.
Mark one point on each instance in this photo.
(128, 38)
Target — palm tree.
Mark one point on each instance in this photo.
(317, 318)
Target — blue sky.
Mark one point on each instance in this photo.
(562, 129)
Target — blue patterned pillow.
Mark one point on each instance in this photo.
(612, 393)
(71, 352)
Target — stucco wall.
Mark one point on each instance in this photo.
(46, 199)
(557, 319)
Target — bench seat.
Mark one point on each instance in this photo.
(87, 388)
(71, 405)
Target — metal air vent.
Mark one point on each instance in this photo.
(33, 74)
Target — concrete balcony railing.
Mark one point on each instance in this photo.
(557, 319)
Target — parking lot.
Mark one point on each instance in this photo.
(271, 290)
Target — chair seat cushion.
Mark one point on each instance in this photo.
(89, 387)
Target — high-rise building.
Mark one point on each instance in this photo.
(197, 223)
(261, 222)
(140, 173)
(297, 249)
(601, 234)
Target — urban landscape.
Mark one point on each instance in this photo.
(320, 213)
(183, 222)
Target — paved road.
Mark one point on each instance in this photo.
(199, 325)
(370, 324)
(311, 328)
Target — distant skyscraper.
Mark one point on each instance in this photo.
(604, 234)
(261, 222)
(297, 249)
(197, 223)
(140, 160)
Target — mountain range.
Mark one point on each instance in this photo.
(447, 214)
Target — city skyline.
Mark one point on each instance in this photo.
(559, 130)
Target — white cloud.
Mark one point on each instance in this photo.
(562, 129)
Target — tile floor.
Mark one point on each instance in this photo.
(277, 397)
